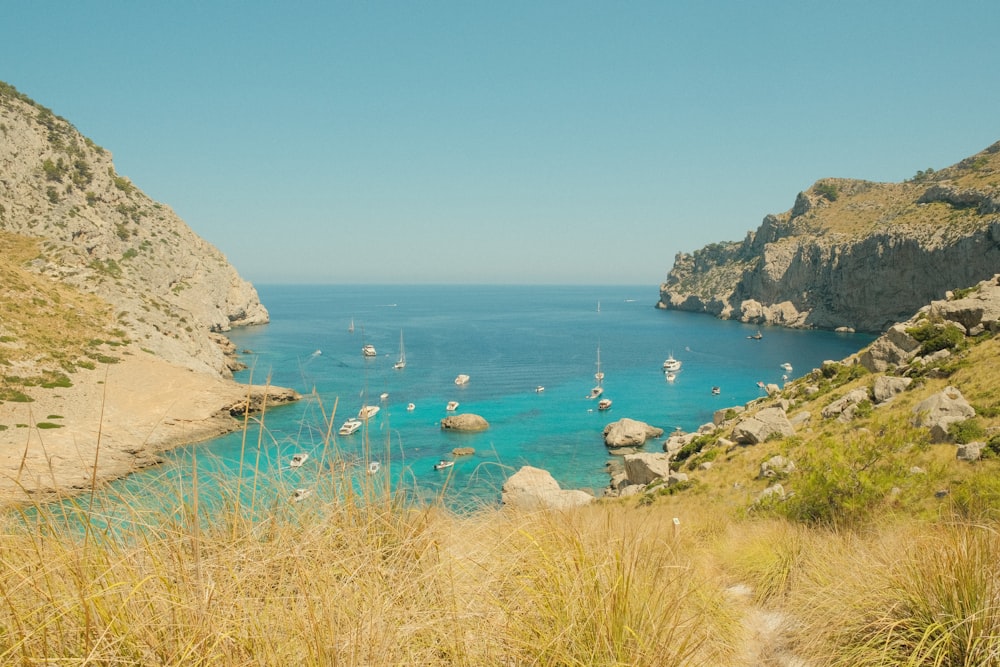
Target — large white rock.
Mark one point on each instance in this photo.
(533, 488)
(629, 433)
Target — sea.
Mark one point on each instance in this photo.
(531, 354)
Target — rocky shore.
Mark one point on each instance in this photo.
(115, 420)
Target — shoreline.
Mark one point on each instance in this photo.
(122, 416)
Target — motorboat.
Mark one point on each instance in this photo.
(368, 411)
(374, 467)
(756, 336)
(298, 460)
(442, 464)
(452, 406)
(411, 407)
(595, 392)
(671, 376)
(539, 389)
(368, 350)
(671, 365)
(604, 404)
(384, 396)
(301, 494)
(716, 391)
(461, 379)
(787, 367)
(350, 426)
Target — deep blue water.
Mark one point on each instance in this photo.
(509, 340)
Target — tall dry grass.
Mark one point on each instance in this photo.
(244, 574)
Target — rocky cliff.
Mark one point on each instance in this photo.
(852, 254)
(171, 291)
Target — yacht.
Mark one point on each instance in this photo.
(350, 426)
(368, 411)
(368, 350)
(298, 460)
(462, 378)
(604, 404)
(671, 365)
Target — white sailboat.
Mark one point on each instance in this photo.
(401, 364)
(599, 376)
(350, 329)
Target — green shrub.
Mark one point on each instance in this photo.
(828, 190)
(936, 336)
(967, 431)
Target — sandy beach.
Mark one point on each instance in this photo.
(112, 421)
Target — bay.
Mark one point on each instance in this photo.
(509, 340)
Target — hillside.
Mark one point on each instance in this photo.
(112, 316)
(95, 231)
(852, 254)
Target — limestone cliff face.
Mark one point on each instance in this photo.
(852, 254)
(172, 291)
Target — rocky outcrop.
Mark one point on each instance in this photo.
(851, 254)
(98, 232)
(761, 425)
(941, 410)
(533, 489)
(629, 433)
(970, 312)
(464, 422)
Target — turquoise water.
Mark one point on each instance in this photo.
(509, 340)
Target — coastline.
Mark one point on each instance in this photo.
(121, 416)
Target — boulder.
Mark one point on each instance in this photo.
(940, 410)
(972, 451)
(761, 425)
(645, 468)
(844, 407)
(533, 489)
(894, 348)
(677, 441)
(464, 422)
(720, 416)
(775, 466)
(887, 387)
(629, 433)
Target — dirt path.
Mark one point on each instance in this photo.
(765, 642)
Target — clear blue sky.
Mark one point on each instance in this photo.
(503, 142)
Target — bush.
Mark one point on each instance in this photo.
(936, 336)
(967, 431)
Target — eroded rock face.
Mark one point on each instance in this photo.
(840, 265)
(169, 287)
(534, 488)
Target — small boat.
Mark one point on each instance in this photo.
(401, 363)
(350, 426)
(374, 467)
(599, 376)
(442, 464)
(756, 336)
(461, 379)
(761, 385)
(452, 406)
(539, 389)
(368, 411)
(716, 391)
(350, 329)
(301, 494)
(787, 366)
(410, 407)
(384, 396)
(368, 350)
(298, 460)
(671, 377)
(671, 365)
(604, 404)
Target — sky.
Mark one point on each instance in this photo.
(520, 142)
